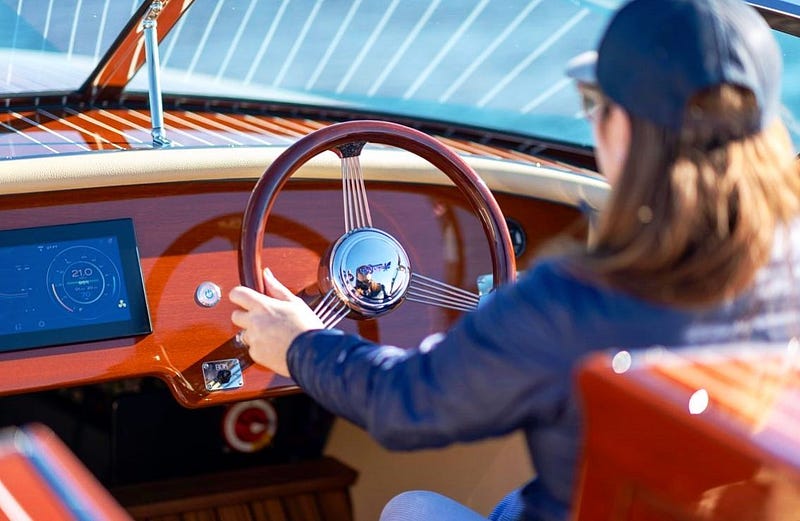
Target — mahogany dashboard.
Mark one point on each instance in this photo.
(102, 283)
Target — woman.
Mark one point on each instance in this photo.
(683, 99)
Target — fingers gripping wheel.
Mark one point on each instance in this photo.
(366, 272)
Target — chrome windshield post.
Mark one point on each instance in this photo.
(149, 25)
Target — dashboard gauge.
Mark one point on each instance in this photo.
(84, 282)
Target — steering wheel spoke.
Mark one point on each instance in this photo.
(426, 290)
(354, 194)
(331, 310)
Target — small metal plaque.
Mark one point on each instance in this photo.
(222, 374)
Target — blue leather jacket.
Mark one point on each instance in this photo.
(509, 365)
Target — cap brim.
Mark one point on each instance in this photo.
(583, 68)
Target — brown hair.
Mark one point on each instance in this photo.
(693, 214)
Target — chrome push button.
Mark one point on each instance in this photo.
(207, 294)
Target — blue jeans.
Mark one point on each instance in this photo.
(421, 505)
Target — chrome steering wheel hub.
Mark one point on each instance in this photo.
(369, 270)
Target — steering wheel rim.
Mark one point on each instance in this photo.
(345, 137)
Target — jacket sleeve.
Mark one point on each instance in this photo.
(497, 369)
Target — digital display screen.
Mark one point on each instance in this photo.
(70, 283)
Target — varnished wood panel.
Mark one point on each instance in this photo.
(653, 451)
(188, 233)
(56, 130)
(276, 493)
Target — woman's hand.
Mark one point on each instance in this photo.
(270, 322)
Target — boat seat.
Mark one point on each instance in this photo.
(41, 480)
(691, 434)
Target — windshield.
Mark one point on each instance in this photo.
(53, 45)
(493, 64)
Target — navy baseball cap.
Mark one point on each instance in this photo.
(656, 54)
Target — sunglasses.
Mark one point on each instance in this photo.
(592, 102)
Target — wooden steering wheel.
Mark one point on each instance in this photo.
(366, 272)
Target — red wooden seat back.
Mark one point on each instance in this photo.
(695, 434)
(41, 480)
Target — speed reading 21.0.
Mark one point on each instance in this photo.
(84, 281)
